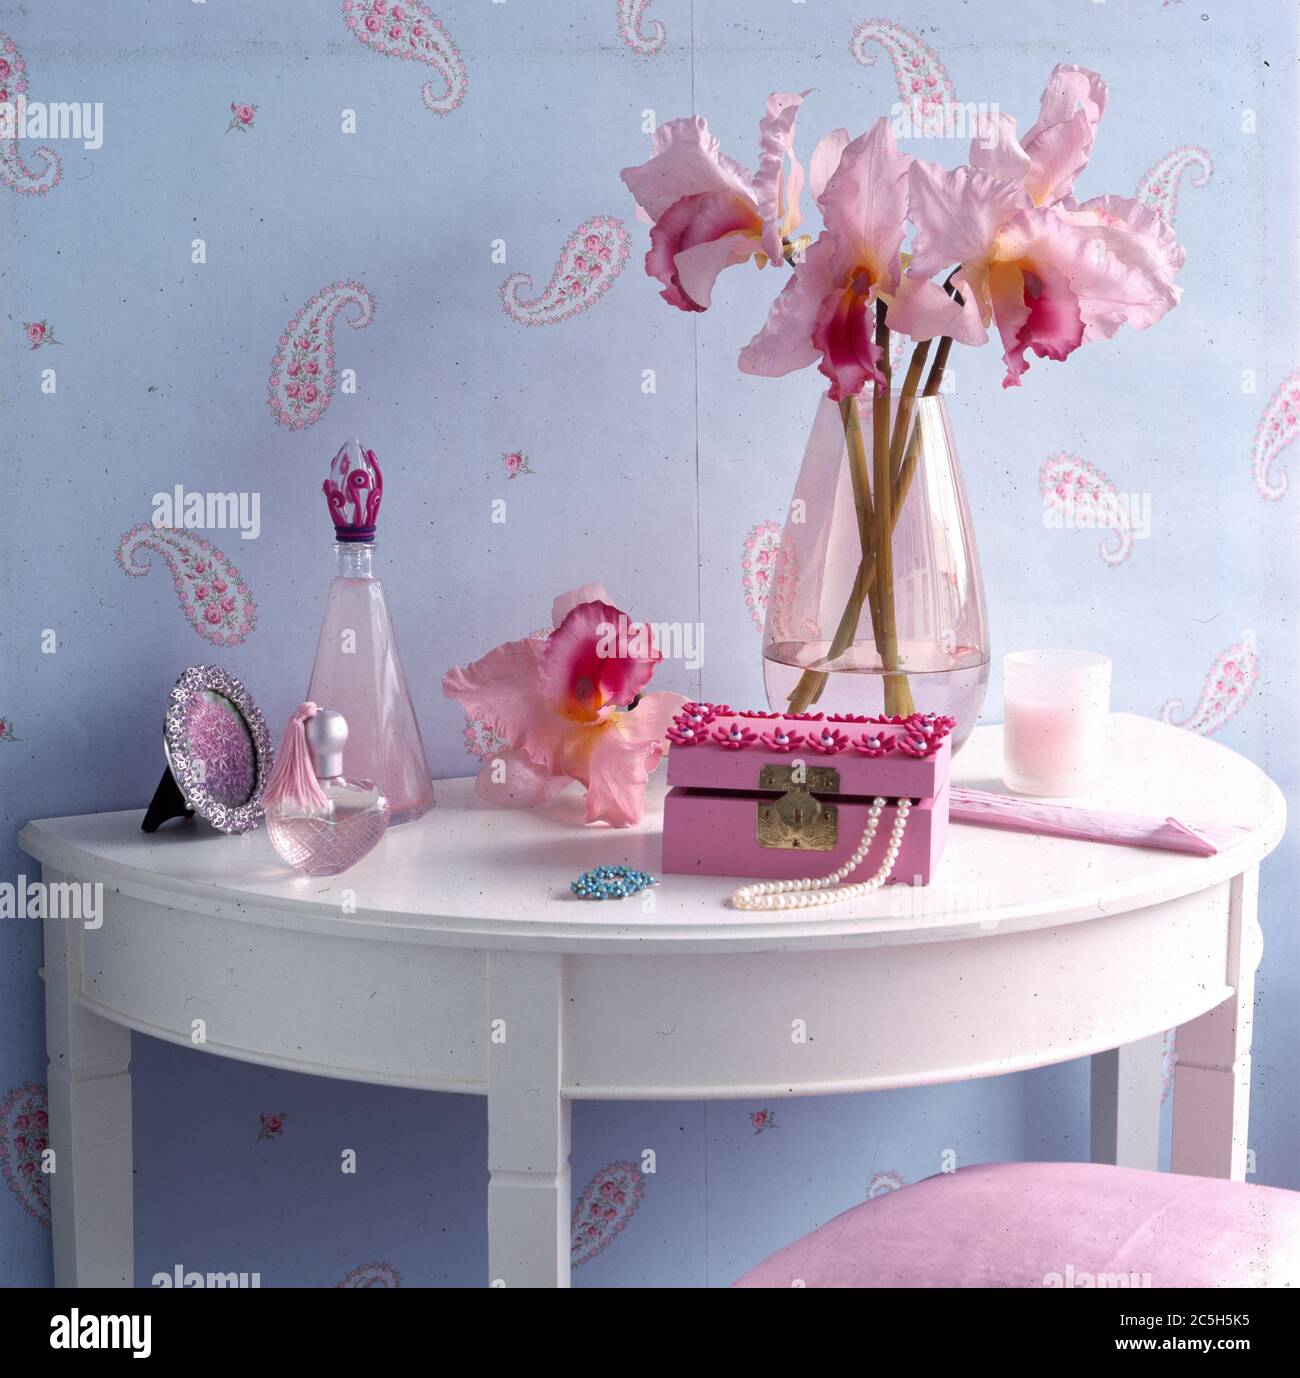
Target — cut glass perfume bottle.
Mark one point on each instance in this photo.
(322, 826)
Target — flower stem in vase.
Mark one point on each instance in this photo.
(898, 694)
(812, 682)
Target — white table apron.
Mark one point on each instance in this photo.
(453, 959)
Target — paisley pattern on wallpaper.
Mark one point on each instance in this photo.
(14, 172)
(1159, 185)
(605, 1206)
(643, 39)
(1082, 496)
(372, 1275)
(882, 1182)
(1168, 1063)
(301, 385)
(1278, 428)
(210, 589)
(917, 69)
(24, 1136)
(592, 257)
(768, 575)
(480, 741)
(410, 31)
(1229, 684)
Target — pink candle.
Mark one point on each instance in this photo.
(1054, 734)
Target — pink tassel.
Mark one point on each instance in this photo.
(293, 777)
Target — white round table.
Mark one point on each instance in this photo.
(453, 958)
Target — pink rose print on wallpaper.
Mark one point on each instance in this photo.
(605, 1206)
(516, 463)
(1277, 428)
(1229, 684)
(372, 1275)
(241, 115)
(480, 741)
(897, 347)
(14, 173)
(38, 333)
(7, 731)
(917, 70)
(24, 1137)
(643, 39)
(302, 372)
(762, 1120)
(764, 567)
(1081, 497)
(211, 591)
(410, 31)
(881, 1182)
(592, 257)
(272, 1126)
(1159, 185)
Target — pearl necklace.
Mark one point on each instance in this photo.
(810, 891)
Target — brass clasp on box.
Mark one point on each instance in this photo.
(798, 820)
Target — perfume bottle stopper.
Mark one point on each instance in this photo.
(327, 735)
(354, 490)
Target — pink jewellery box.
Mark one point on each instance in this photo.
(777, 797)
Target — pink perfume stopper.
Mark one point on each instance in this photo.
(354, 490)
(293, 777)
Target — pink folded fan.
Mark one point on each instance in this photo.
(1092, 825)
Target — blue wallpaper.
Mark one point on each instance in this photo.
(254, 157)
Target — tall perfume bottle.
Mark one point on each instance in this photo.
(320, 820)
(357, 669)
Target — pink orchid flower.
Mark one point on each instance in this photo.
(571, 707)
(1052, 274)
(708, 212)
(1059, 144)
(825, 313)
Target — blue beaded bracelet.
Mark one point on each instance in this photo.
(611, 883)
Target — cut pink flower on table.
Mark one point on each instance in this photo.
(571, 707)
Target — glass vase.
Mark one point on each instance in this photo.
(876, 603)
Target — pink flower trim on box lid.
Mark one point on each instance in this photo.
(735, 737)
(781, 740)
(829, 740)
(716, 725)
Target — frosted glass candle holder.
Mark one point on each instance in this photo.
(1055, 717)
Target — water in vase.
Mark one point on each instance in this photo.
(951, 683)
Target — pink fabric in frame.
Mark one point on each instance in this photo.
(1051, 1225)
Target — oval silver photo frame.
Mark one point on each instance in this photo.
(218, 751)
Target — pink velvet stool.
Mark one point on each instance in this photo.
(1051, 1225)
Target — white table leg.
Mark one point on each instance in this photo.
(89, 1083)
(528, 1123)
(1126, 1104)
(1212, 1075)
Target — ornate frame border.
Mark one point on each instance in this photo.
(239, 818)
